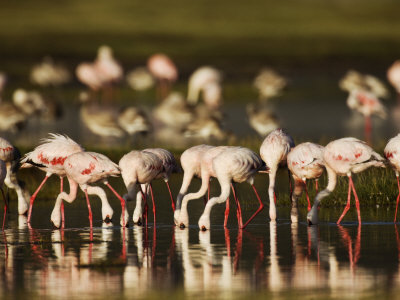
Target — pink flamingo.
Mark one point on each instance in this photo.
(274, 151)
(393, 156)
(191, 164)
(367, 104)
(305, 162)
(11, 156)
(235, 164)
(83, 169)
(139, 167)
(393, 75)
(206, 172)
(50, 157)
(343, 157)
(164, 71)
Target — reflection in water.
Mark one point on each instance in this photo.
(318, 260)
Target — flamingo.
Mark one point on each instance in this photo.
(84, 168)
(207, 80)
(140, 79)
(48, 73)
(139, 167)
(343, 157)
(262, 119)
(392, 155)
(191, 164)
(305, 161)
(269, 83)
(49, 157)
(206, 172)
(237, 164)
(164, 71)
(273, 151)
(11, 156)
(393, 75)
(367, 104)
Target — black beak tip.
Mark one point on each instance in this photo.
(203, 228)
(182, 226)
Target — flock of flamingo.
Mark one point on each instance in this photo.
(60, 155)
(175, 115)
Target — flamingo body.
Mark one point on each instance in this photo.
(392, 154)
(393, 75)
(235, 164)
(344, 157)
(274, 151)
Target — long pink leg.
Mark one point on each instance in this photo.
(347, 205)
(226, 212)
(228, 242)
(260, 208)
(154, 205)
(398, 197)
(316, 185)
(274, 197)
(357, 201)
(308, 198)
(89, 209)
(5, 208)
(33, 198)
(62, 203)
(121, 200)
(170, 194)
(238, 209)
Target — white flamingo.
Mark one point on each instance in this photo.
(49, 157)
(343, 157)
(191, 165)
(164, 71)
(235, 164)
(392, 154)
(393, 75)
(274, 151)
(305, 161)
(83, 169)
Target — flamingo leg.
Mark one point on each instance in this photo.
(308, 198)
(227, 242)
(90, 211)
(357, 201)
(34, 196)
(226, 213)
(260, 208)
(154, 204)
(398, 197)
(347, 205)
(170, 194)
(121, 200)
(62, 203)
(208, 192)
(274, 197)
(5, 208)
(290, 185)
(238, 209)
(316, 185)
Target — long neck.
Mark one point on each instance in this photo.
(187, 178)
(313, 213)
(225, 191)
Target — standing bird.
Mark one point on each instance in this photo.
(367, 104)
(343, 157)
(392, 154)
(139, 167)
(305, 161)
(164, 71)
(169, 166)
(393, 75)
(274, 151)
(236, 164)
(206, 172)
(11, 156)
(191, 164)
(269, 84)
(84, 168)
(50, 157)
(205, 80)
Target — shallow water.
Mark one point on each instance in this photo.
(274, 260)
